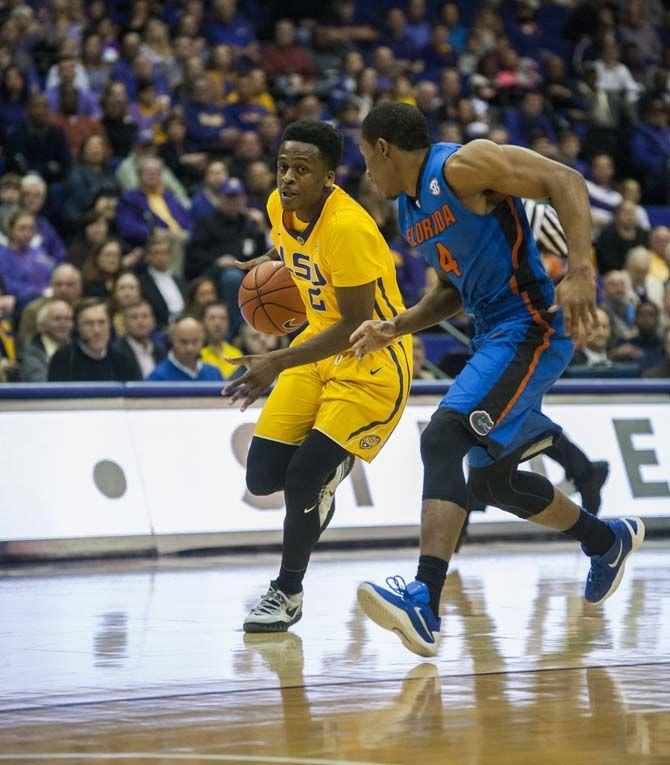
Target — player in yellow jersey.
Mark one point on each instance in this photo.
(326, 407)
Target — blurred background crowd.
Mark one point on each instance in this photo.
(139, 139)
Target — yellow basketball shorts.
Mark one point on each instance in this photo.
(357, 404)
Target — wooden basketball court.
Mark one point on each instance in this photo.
(145, 662)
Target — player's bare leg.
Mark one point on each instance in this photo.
(560, 515)
(441, 524)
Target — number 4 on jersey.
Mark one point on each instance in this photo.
(447, 261)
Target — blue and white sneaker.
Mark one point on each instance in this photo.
(404, 610)
(607, 569)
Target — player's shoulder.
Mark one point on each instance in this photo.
(476, 167)
(343, 212)
(273, 204)
(480, 152)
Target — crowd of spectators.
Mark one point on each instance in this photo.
(139, 140)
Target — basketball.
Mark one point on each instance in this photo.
(269, 300)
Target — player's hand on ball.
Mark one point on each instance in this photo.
(248, 265)
(576, 295)
(261, 373)
(372, 336)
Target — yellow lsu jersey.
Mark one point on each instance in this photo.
(340, 247)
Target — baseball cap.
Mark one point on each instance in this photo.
(232, 187)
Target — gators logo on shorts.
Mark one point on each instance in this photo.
(481, 422)
(369, 442)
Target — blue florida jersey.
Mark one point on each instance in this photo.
(520, 349)
(491, 259)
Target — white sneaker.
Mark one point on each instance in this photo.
(326, 502)
(276, 612)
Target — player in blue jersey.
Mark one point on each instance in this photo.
(461, 207)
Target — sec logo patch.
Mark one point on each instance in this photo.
(434, 187)
(369, 442)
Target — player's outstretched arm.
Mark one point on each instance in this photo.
(483, 166)
(439, 303)
(355, 304)
(247, 265)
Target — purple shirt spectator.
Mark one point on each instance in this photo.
(438, 54)
(151, 122)
(122, 71)
(417, 27)
(235, 31)
(26, 273)
(410, 271)
(350, 129)
(342, 88)
(396, 37)
(201, 206)
(33, 198)
(650, 153)
(205, 123)
(14, 93)
(87, 103)
(126, 74)
(51, 243)
(244, 116)
(135, 220)
(650, 147)
(11, 113)
(529, 119)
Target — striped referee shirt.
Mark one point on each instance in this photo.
(546, 227)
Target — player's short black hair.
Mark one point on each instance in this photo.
(400, 124)
(320, 134)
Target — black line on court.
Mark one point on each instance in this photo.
(343, 683)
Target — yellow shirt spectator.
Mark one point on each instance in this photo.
(216, 356)
(262, 99)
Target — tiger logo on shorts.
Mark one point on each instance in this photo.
(369, 442)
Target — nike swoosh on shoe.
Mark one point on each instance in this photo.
(417, 611)
(618, 557)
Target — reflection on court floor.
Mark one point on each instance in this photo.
(144, 662)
